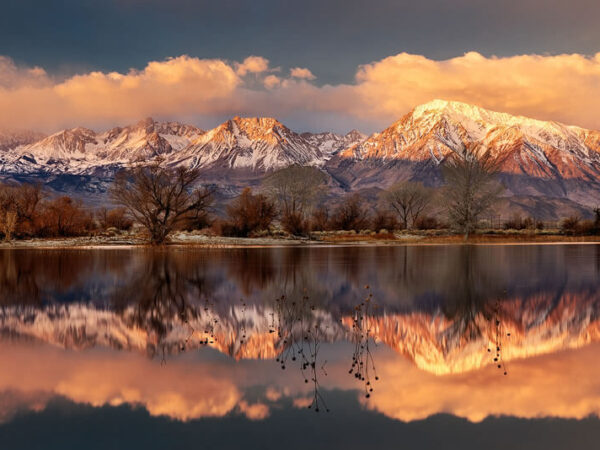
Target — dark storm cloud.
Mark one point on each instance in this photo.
(331, 37)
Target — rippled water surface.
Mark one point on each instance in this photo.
(471, 347)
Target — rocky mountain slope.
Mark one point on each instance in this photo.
(540, 158)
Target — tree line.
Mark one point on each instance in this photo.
(165, 199)
(27, 211)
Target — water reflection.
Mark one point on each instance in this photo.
(414, 331)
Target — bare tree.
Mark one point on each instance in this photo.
(351, 214)
(161, 198)
(409, 200)
(249, 213)
(24, 201)
(295, 190)
(472, 186)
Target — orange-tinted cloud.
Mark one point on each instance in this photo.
(565, 88)
(180, 391)
(190, 387)
(174, 87)
(541, 386)
(252, 64)
(302, 72)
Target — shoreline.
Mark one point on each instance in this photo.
(186, 240)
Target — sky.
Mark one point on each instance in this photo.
(314, 64)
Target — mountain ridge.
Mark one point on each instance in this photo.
(542, 159)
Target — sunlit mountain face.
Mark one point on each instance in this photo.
(393, 336)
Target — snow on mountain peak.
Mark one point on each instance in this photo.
(258, 143)
(432, 131)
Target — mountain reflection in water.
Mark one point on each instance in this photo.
(473, 331)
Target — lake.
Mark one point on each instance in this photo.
(431, 346)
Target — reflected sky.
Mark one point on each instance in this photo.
(402, 338)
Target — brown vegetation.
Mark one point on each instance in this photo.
(351, 214)
(162, 199)
(25, 211)
(63, 217)
(247, 214)
(114, 218)
(409, 200)
(295, 190)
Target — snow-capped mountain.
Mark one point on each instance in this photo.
(540, 158)
(80, 150)
(532, 147)
(259, 144)
(330, 143)
(548, 160)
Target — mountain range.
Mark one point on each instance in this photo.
(550, 169)
(537, 325)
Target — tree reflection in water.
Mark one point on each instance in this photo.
(166, 289)
(300, 331)
(185, 299)
(363, 363)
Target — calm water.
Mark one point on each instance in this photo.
(470, 347)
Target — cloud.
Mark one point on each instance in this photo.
(252, 64)
(564, 88)
(174, 87)
(271, 81)
(14, 77)
(301, 72)
(189, 388)
(534, 387)
(255, 411)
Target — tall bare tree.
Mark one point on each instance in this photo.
(161, 198)
(295, 190)
(409, 200)
(471, 186)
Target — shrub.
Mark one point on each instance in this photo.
(384, 220)
(248, 214)
(62, 217)
(295, 223)
(350, 214)
(519, 223)
(586, 227)
(570, 225)
(427, 223)
(114, 218)
(319, 220)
